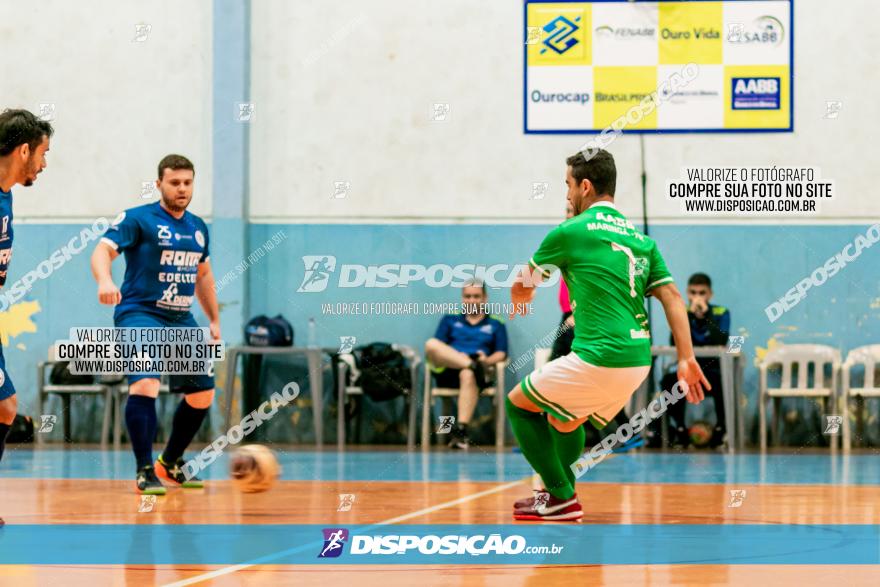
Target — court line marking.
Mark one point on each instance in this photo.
(263, 560)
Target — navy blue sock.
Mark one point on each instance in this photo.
(140, 417)
(4, 430)
(187, 421)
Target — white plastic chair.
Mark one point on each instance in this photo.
(497, 392)
(869, 357)
(801, 355)
(542, 357)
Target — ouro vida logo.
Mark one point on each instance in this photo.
(560, 35)
(318, 270)
(334, 540)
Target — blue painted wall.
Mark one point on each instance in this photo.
(751, 266)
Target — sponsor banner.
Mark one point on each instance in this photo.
(442, 544)
(588, 63)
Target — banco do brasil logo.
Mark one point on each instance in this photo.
(560, 35)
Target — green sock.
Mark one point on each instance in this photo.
(569, 448)
(536, 442)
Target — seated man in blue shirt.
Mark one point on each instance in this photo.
(710, 326)
(463, 347)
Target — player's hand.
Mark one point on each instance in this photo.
(570, 321)
(214, 327)
(108, 293)
(521, 296)
(690, 374)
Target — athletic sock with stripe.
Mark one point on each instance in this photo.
(569, 448)
(536, 442)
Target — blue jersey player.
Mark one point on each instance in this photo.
(166, 266)
(24, 141)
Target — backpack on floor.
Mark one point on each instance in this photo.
(384, 374)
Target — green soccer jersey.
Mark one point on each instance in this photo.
(609, 267)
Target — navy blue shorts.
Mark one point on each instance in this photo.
(6, 387)
(177, 383)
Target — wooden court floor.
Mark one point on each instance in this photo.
(35, 499)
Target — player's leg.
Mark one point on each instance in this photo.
(198, 396)
(535, 436)
(188, 418)
(569, 391)
(8, 409)
(141, 421)
(8, 403)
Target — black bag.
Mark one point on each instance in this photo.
(265, 331)
(61, 375)
(384, 372)
(22, 430)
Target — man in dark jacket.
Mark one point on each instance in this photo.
(710, 326)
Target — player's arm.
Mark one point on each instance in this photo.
(676, 315)
(207, 296)
(549, 257)
(102, 259)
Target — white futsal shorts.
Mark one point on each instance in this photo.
(569, 389)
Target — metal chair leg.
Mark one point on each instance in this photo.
(412, 399)
(66, 404)
(426, 409)
(117, 417)
(108, 407)
(762, 421)
(340, 405)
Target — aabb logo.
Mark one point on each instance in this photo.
(755, 93)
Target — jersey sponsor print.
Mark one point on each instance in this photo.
(609, 268)
(162, 257)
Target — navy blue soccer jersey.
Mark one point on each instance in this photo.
(5, 233)
(162, 256)
(487, 335)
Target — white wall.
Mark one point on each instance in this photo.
(120, 105)
(360, 113)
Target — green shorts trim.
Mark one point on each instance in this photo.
(597, 421)
(548, 406)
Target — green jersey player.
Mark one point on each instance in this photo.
(609, 267)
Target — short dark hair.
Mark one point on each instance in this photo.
(599, 169)
(18, 127)
(476, 282)
(700, 279)
(175, 162)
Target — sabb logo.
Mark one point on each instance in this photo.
(560, 35)
(765, 30)
(755, 93)
(318, 270)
